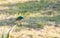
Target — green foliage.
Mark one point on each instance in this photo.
(57, 18)
(31, 6)
(10, 30)
(8, 35)
(3, 34)
(57, 5)
(34, 5)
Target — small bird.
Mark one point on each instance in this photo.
(19, 18)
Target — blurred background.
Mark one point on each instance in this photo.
(41, 18)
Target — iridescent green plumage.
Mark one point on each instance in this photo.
(19, 18)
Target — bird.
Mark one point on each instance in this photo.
(19, 18)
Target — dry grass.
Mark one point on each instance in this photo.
(47, 32)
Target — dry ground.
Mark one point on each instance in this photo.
(47, 32)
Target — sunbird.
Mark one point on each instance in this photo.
(19, 20)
